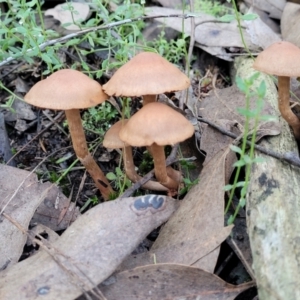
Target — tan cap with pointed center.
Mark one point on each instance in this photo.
(156, 123)
(146, 74)
(66, 89)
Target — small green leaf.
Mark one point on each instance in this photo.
(249, 17)
(227, 18)
(236, 149)
(242, 202)
(72, 42)
(241, 84)
(258, 160)
(240, 184)
(230, 220)
(46, 58)
(239, 163)
(227, 187)
(261, 91)
(111, 176)
(247, 159)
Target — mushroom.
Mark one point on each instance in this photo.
(113, 141)
(71, 90)
(157, 125)
(282, 59)
(147, 74)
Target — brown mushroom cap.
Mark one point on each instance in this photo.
(146, 74)
(156, 123)
(111, 138)
(281, 59)
(66, 89)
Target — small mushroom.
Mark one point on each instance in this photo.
(282, 59)
(113, 141)
(147, 74)
(157, 125)
(71, 90)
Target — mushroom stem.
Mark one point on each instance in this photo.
(82, 152)
(134, 177)
(160, 167)
(174, 174)
(284, 105)
(148, 99)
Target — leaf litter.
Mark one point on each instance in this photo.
(193, 234)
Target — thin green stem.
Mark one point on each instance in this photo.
(244, 145)
(238, 19)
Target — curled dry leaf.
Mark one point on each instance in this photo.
(169, 281)
(21, 194)
(88, 251)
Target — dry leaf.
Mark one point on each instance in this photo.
(199, 218)
(62, 13)
(5, 151)
(290, 23)
(273, 7)
(213, 37)
(49, 211)
(22, 110)
(21, 194)
(88, 251)
(169, 281)
(260, 33)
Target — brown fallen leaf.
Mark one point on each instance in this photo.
(21, 194)
(55, 211)
(169, 281)
(88, 251)
(200, 216)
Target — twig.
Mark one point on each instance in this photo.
(192, 40)
(93, 29)
(289, 157)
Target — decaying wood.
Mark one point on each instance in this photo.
(273, 206)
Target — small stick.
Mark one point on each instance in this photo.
(288, 157)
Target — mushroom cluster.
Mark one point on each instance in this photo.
(283, 60)
(155, 124)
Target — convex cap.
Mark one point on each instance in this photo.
(146, 74)
(111, 138)
(66, 89)
(156, 123)
(281, 59)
